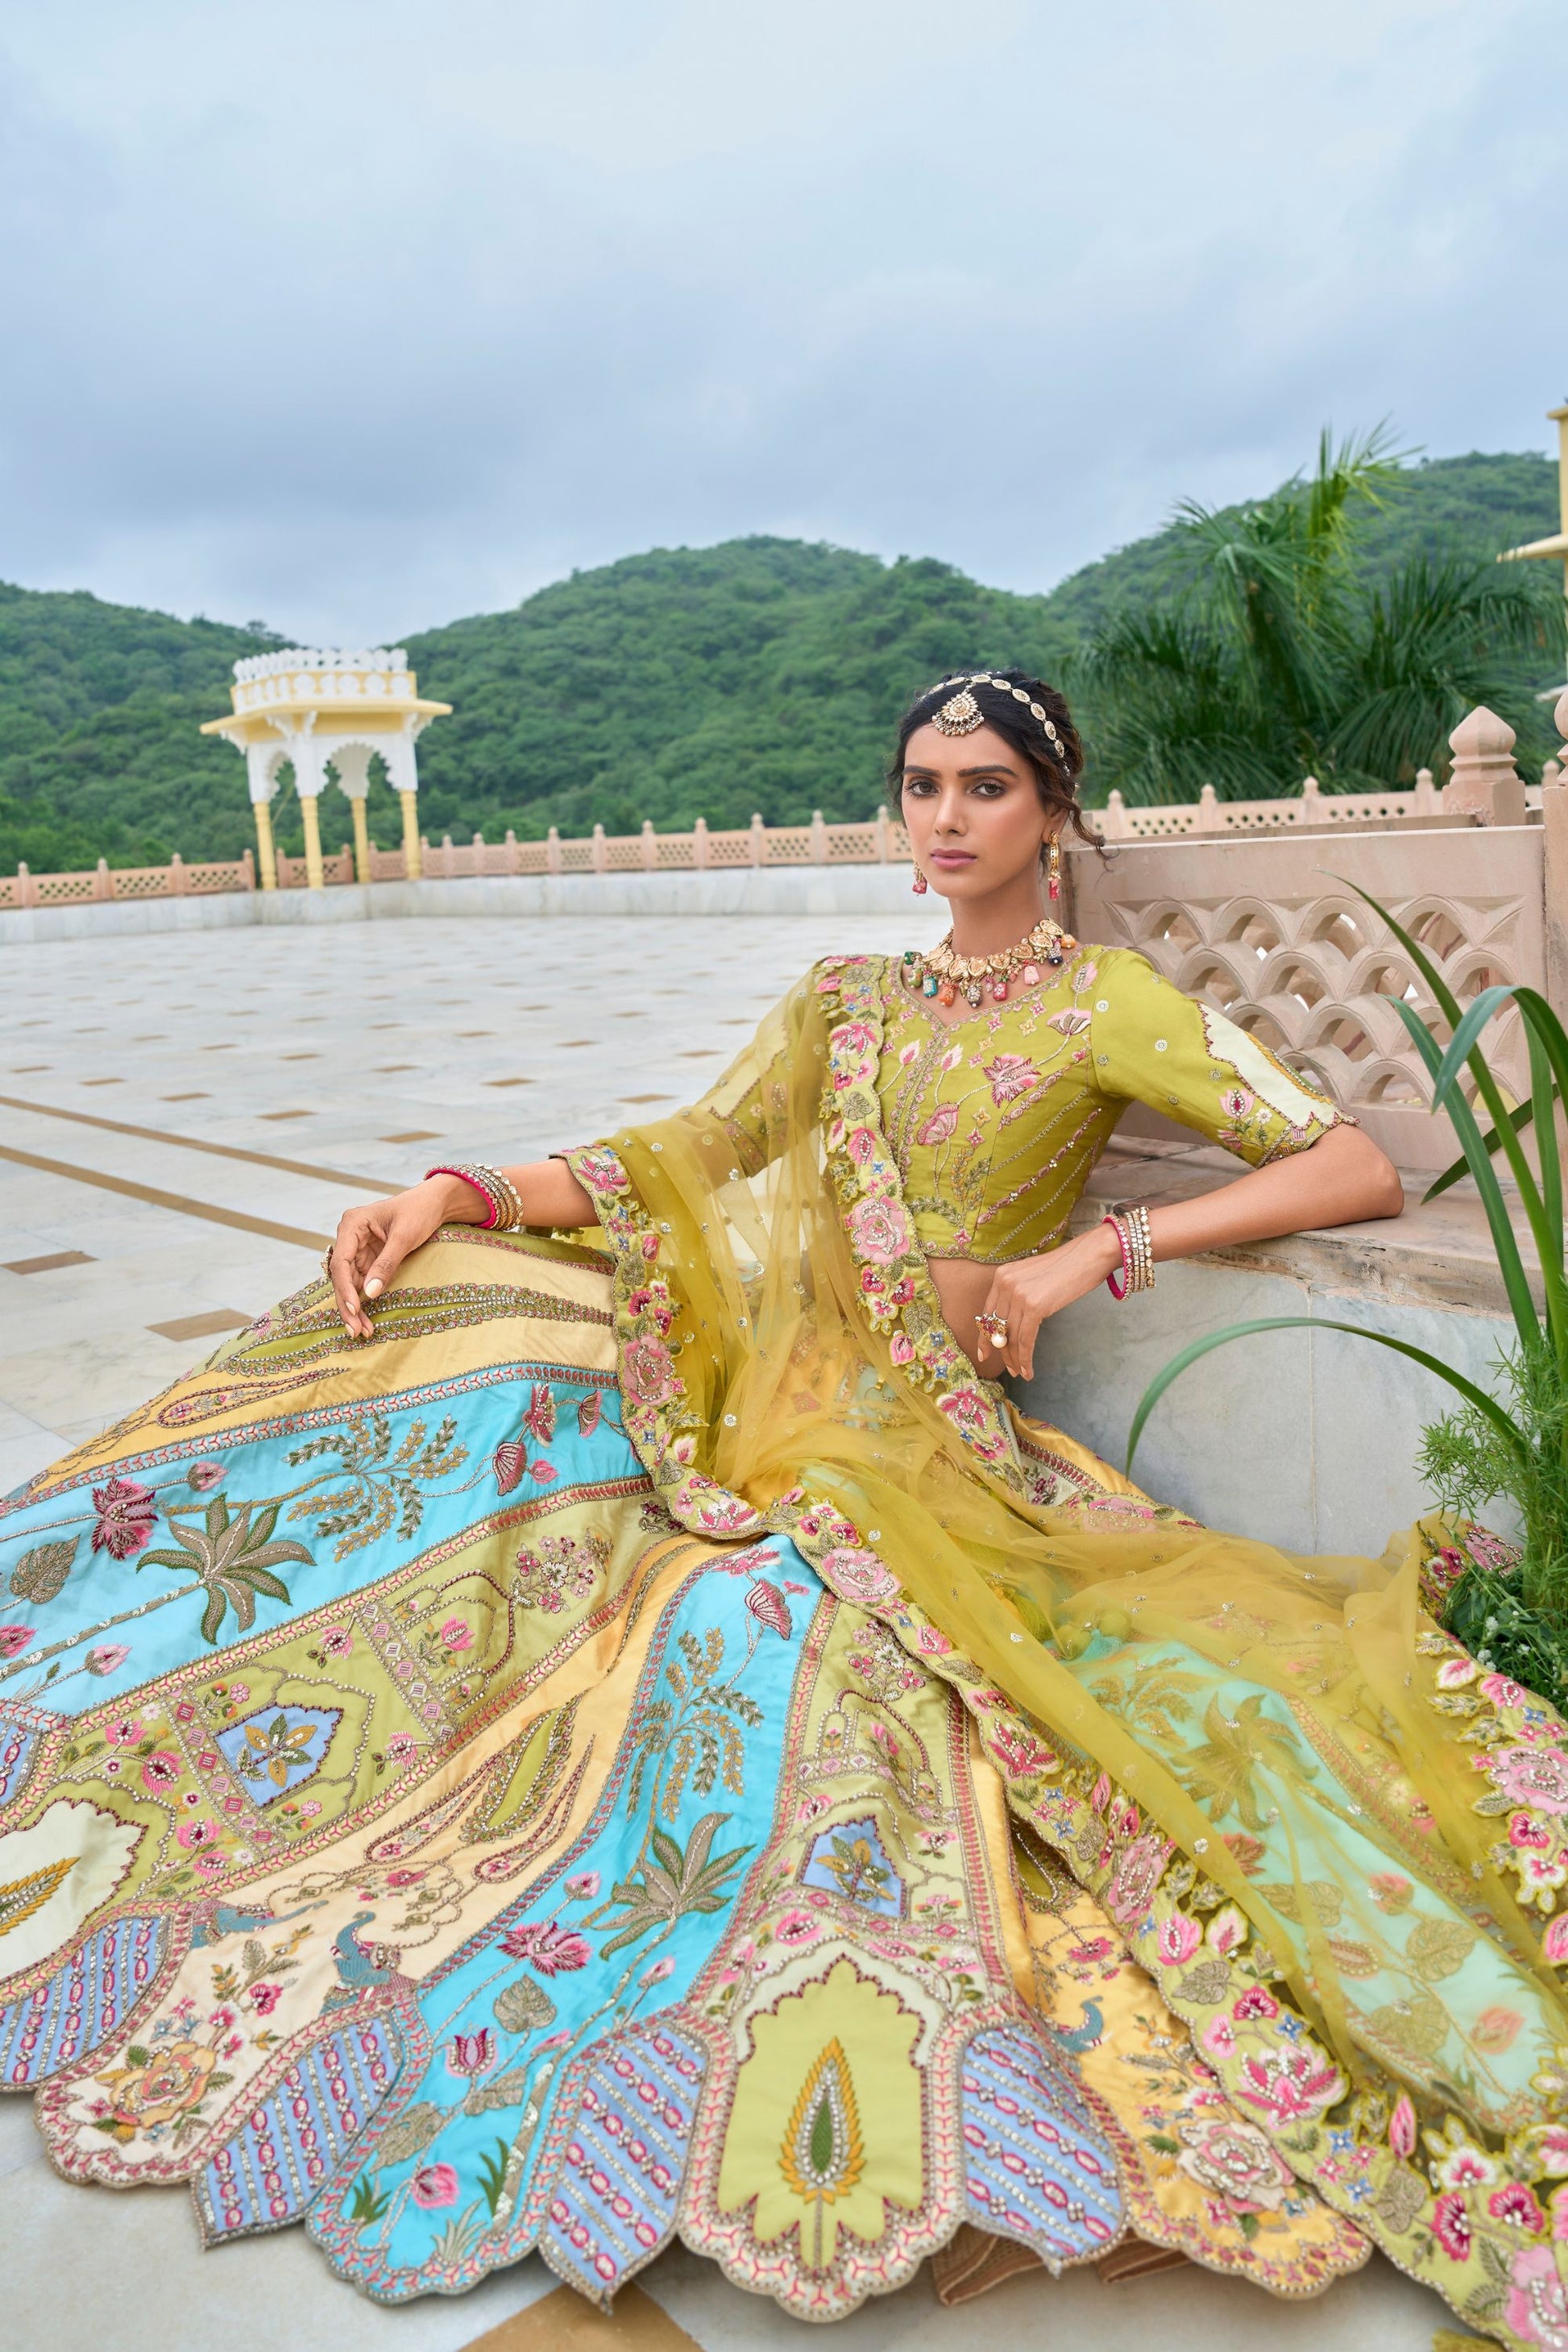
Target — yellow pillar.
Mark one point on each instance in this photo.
(1559, 417)
(266, 856)
(361, 841)
(413, 863)
(315, 879)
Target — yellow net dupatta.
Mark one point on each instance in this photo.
(1259, 1762)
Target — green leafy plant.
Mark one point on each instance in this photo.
(1515, 1445)
(1278, 655)
(233, 1559)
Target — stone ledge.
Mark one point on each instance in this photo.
(746, 890)
(1439, 1254)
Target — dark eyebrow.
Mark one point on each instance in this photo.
(993, 768)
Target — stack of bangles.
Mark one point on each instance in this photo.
(502, 1201)
(1130, 1226)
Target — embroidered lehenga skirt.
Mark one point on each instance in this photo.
(408, 1832)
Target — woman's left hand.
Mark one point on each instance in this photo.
(1031, 1288)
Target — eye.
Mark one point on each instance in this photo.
(991, 788)
(920, 788)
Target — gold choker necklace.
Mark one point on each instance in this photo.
(946, 975)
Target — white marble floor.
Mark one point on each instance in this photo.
(362, 1054)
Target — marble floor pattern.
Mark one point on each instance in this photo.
(275, 1078)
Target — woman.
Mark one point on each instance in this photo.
(670, 1749)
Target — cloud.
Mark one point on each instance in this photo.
(362, 317)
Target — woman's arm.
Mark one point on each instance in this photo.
(1339, 1181)
(372, 1243)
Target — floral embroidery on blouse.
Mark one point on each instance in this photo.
(995, 1121)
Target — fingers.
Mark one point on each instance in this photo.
(384, 1265)
(1009, 1304)
(360, 1231)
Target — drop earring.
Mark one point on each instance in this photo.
(1054, 869)
(919, 886)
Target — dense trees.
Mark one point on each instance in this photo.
(1275, 654)
(762, 674)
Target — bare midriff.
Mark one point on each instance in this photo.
(963, 1284)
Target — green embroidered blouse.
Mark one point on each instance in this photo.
(996, 1118)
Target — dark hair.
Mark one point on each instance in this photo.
(1005, 697)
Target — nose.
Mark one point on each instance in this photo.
(949, 811)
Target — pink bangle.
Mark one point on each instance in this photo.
(492, 1206)
(1119, 1231)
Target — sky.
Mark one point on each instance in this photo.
(355, 318)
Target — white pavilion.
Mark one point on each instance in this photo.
(305, 707)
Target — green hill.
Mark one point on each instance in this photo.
(761, 674)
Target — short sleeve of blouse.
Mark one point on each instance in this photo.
(1149, 1043)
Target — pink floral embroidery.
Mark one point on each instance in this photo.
(470, 2053)
(127, 1514)
(1291, 2084)
(553, 1951)
(1020, 1751)
(107, 1657)
(1451, 2226)
(265, 1997)
(724, 1515)
(858, 1575)
(769, 1607)
(1536, 2309)
(337, 1641)
(1177, 1940)
(794, 1928)
(1254, 2003)
(161, 1769)
(432, 2186)
(974, 1419)
(13, 1640)
(457, 1634)
(1138, 1872)
(880, 1231)
(940, 1127)
(1514, 2204)
(598, 1172)
(539, 1418)
(1401, 2126)
(202, 1476)
(1011, 1076)
(647, 1371)
(855, 1037)
(1071, 1021)
(510, 1460)
(1530, 1776)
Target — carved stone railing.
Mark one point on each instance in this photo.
(176, 880)
(1271, 930)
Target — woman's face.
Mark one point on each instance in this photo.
(975, 819)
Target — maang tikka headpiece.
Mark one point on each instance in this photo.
(960, 714)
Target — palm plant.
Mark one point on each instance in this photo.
(1515, 1445)
(1275, 658)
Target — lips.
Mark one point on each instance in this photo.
(952, 857)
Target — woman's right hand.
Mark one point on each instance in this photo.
(372, 1243)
